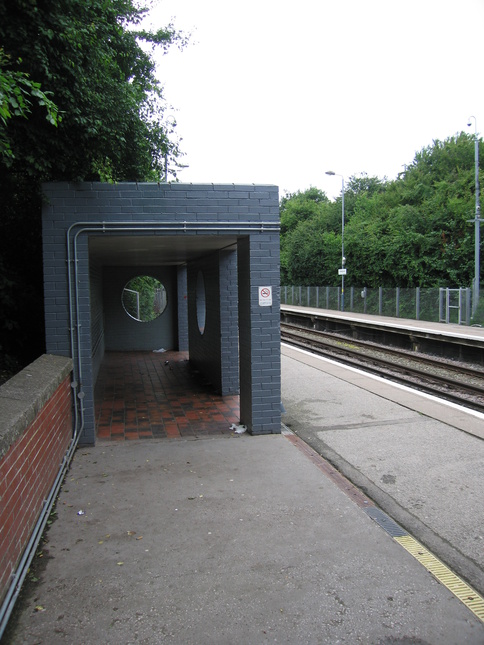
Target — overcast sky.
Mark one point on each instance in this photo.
(280, 91)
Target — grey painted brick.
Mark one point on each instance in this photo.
(72, 202)
(239, 194)
(265, 195)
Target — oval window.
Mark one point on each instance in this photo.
(201, 302)
(144, 298)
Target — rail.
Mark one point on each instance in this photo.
(462, 384)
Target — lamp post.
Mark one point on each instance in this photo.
(477, 220)
(170, 126)
(342, 271)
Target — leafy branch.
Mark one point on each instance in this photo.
(16, 91)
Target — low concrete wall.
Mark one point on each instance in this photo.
(35, 432)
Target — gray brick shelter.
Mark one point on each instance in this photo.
(215, 250)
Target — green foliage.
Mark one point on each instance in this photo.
(16, 92)
(295, 209)
(83, 66)
(298, 207)
(145, 303)
(314, 254)
(414, 231)
(87, 56)
(359, 186)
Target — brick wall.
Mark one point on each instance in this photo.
(229, 310)
(97, 317)
(259, 334)
(36, 418)
(182, 309)
(205, 347)
(123, 333)
(215, 351)
(89, 209)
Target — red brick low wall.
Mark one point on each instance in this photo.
(35, 432)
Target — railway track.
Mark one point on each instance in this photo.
(453, 381)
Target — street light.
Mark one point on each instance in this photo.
(477, 220)
(341, 271)
(170, 123)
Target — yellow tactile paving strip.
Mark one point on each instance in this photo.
(466, 594)
(444, 575)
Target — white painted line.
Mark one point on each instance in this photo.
(405, 388)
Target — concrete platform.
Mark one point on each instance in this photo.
(240, 539)
(418, 458)
(225, 540)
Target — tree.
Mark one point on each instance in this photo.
(17, 91)
(356, 187)
(82, 64)
(88, 55)
(414, 231)
(300, 206)
(440, 184)
(295, 209)
(313, 254)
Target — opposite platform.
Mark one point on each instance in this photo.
(446, 330)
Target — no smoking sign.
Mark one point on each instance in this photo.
(265, 296)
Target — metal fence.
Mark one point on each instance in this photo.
(435, 304)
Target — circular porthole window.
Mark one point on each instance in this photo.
(201, 302)
(144, 298)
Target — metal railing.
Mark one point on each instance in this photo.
(432, 304)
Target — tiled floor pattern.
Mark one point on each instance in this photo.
(143, 395)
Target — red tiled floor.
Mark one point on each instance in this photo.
(142, 395)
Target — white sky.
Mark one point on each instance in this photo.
(279, 91)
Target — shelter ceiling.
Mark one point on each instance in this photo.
(154, 250)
